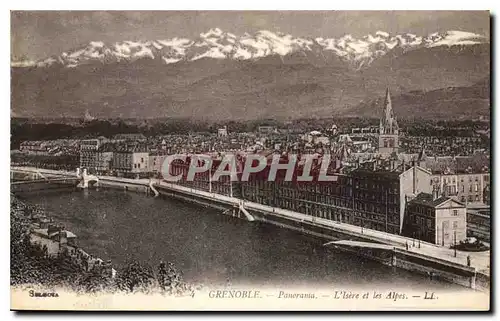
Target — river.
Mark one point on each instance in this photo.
(210, 248)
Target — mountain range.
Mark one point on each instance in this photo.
(223, 76)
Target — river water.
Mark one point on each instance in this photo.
(210, 248)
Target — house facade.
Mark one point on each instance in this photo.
(438, 220)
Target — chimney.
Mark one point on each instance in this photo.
(444, 192)
(414, 178)
(435, 192)
(63, 237)
(52, 228)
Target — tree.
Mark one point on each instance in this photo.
(135, 277)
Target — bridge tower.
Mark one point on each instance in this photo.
(85, 179)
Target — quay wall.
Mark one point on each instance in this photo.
(397, 257)
(124, 185)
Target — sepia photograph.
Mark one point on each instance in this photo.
(250, 160)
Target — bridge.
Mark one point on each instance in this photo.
(31, 175)
(63, 180)
(41, 184)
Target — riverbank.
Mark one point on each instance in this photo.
(41, 240)
(45, 256)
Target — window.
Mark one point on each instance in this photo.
(142, 160)
(455, 225)
(455, 212)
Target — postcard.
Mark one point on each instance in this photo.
(250, 160)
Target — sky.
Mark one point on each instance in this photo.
(39, 34)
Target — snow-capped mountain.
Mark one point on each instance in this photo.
(217, 44)
(220, 75)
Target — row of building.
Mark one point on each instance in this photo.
(406, 202)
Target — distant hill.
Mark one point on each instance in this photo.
(451, 102)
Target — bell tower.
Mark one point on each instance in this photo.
(388, 141)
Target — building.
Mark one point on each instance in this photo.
(132, 137)
(479, 222)
(88, 153)
(464, 178)
(315, 138)
(365, 130)
(388, 130)
(380, 197)
(267, 129)
(333, 130)
(96, 155)
(203, 181)
(34, 147)
(131, 160)
(104, 159)
(156, 162)
(436, 219)
(360, 144)
(222, 132)
(53, 238)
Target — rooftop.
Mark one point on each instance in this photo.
(427, 199)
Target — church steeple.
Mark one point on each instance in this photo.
(389, 129)
(388, 123)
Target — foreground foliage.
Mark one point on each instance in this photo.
(31, 265)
